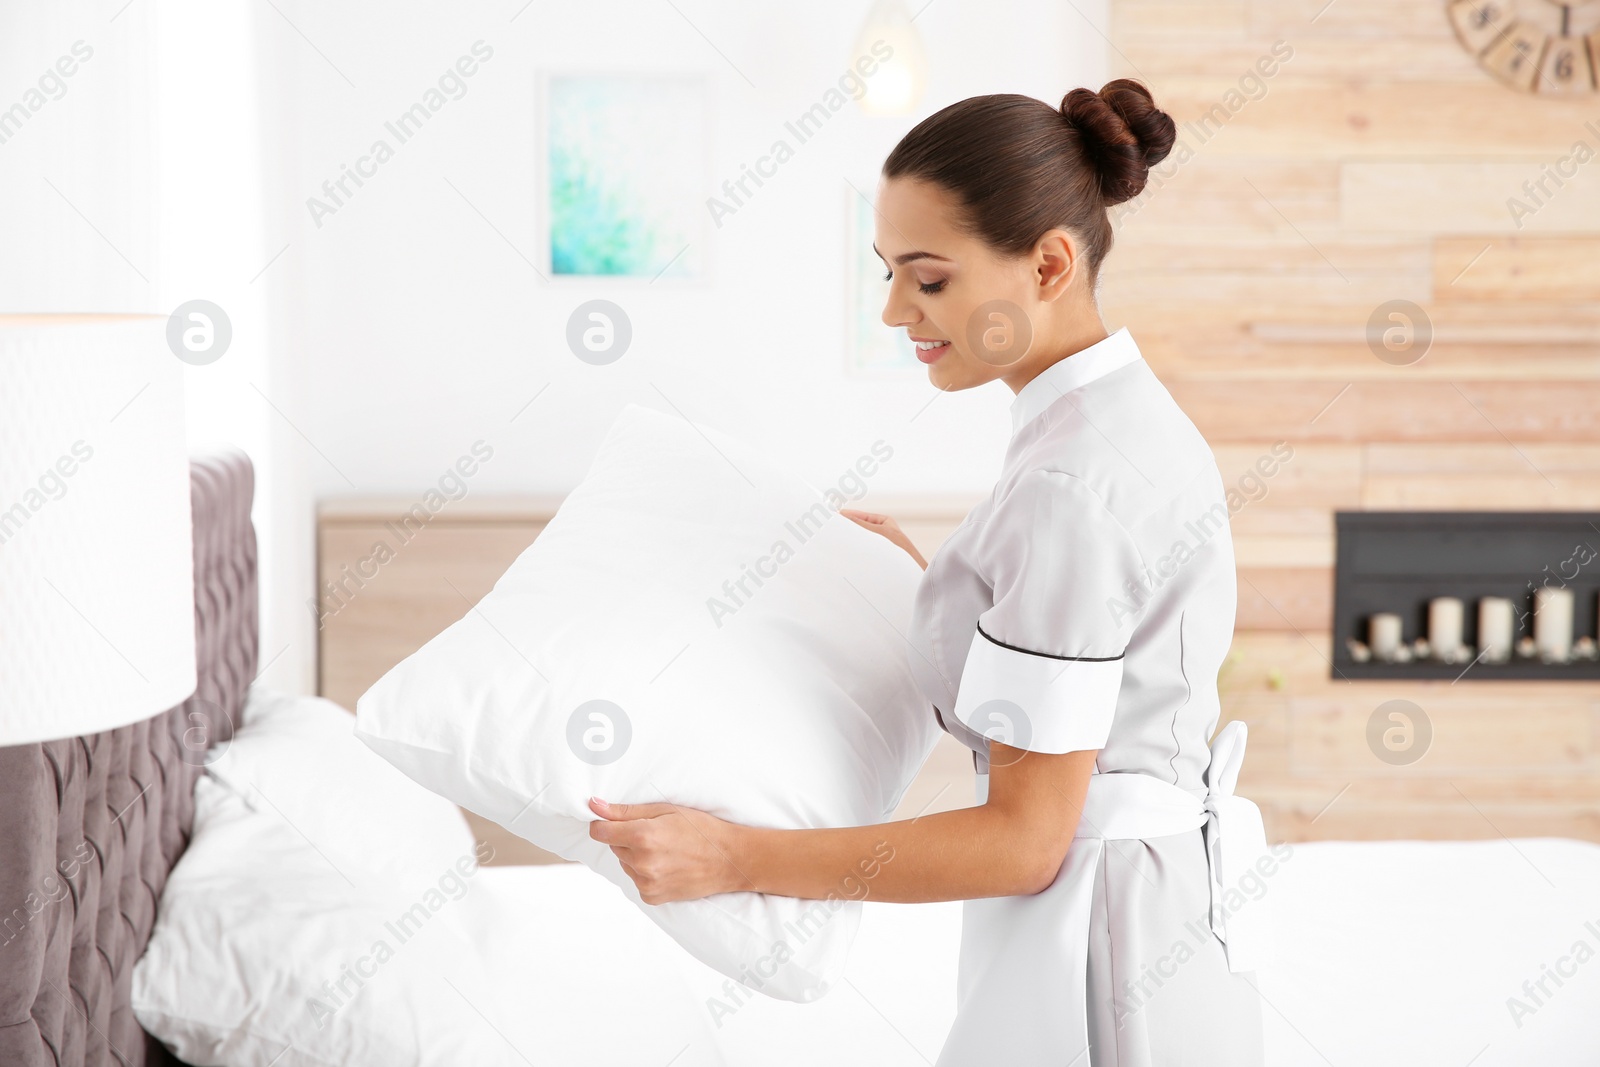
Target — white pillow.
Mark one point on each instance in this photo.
(695, 626)
(298, 758)
(267, 950)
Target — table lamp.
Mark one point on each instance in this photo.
(96, 563)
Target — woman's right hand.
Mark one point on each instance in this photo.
(883, 524)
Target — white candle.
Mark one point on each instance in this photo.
(1552, 624)
(1444, 627)
(1383, 635)
(1494, 629)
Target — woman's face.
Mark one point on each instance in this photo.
(991, 317)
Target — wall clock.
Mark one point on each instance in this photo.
(1538, 46)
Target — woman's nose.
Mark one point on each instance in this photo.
(896, 314)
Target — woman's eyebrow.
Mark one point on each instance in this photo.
(911, 257)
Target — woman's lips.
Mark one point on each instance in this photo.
(928, 355)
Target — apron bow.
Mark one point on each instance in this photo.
(1236, 840)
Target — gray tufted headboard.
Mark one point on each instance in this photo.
(90, 826)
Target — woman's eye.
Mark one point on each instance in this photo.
(927, 287)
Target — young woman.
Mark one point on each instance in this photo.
(1069, 631)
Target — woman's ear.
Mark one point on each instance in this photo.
(1057, 258)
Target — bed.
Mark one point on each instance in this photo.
(1397, 954)
(1391, 963)
(91, 826)
(1450, 953)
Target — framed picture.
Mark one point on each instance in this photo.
(871, 348)
(624, 161)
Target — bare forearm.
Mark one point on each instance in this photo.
(1011, 845)
(983, 851)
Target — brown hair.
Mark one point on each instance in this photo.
(1021, 168)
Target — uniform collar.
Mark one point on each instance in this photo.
(1073, 372)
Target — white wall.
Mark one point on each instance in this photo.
(405, 328)
(208, 158)
(175, 162)
(76, 232)
(132, 178)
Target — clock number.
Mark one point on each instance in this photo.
(1526, 45)
(1562, 65)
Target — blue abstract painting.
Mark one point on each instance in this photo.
(627, 173)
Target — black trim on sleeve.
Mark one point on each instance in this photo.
(1047, 655)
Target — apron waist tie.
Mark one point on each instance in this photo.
(1021, 996)
(1121, 807)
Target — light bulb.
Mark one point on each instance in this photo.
(896, 86)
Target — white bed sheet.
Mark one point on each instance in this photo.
(1406, 953)
(1390, 953)
(585, 976)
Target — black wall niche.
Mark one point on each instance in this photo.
(1399, 560)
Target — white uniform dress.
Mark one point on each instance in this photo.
(1087, 604)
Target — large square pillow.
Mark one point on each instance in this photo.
(317, 915)
(298, 758)
(694, 625)
(263, 954)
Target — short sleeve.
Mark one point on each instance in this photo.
(1045, 665)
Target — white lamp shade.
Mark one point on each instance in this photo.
(96, 562)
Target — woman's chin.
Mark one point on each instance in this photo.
(945, 374)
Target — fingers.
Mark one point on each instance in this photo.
(618, 812)
(646, 888)
(865, 517)
(628, 834)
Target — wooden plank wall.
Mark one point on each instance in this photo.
(1374, 164)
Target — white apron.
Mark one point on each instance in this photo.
(1023, 981)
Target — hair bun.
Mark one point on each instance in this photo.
(1123, 135)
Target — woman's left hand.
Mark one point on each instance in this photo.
(887, 527)
(670, 852)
